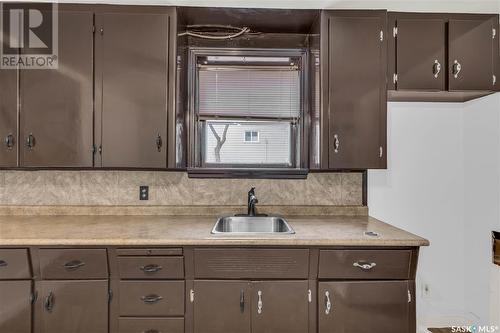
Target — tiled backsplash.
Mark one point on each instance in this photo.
(121, 188)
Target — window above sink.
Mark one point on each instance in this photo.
(247, 110)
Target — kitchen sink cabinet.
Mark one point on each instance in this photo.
(221, 306)
(15, 306)
(132, 87)
(364, 307)
(251, 306)
(72, 306)
(354, 88)
(56, 110)
(280, 306)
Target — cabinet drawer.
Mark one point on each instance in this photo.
(151, 298)
(173, 251)
(151, 267)
(251, 263)
(63, 264)
(364, 264)
(14, 264)
(151, 325)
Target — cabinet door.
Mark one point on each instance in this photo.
(222, 306)
(15, 306)
(131, 57)
(420, 54)
(57, 104)
(280, 306)
(8, 117)
(470, 56)
(73, 306)
(364, 307)
(357, 89)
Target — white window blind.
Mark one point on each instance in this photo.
(252, 92)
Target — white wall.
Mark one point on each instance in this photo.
(422, 191)
(443, 182)
(482, 198)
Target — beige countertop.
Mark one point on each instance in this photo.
(127, 230)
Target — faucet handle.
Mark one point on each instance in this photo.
(252, 191)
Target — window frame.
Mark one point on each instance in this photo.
(299, 129)
(251, 136)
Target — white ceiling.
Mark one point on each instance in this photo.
(471, 6)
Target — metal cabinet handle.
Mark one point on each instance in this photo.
(456, 68)
(336, 143)
(151, 268)
(151, 331)
(242, 301)
(9, 141)
(259, 303)
(364, 266)
(3, 263)
(328, 303)
(436, 69)
(159, 142)
(74, 265)
(30, 141)
(49, 302)
(151, 299)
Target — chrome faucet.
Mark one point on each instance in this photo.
(252, 200)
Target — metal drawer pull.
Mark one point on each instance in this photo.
(457, 67)
(151, 331)
(9, 141)
(336, 143)
(30, 141)
(364, 266)
(328, 303)
(74, 265)
(152, 268)
(49, 302)
(242, 301)
(159, 143)
(436, 69)
(259, 303)
(151, 299)
(3, 263)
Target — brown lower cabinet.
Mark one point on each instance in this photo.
(222, 306)
(15, 306)
(72, 306)
(97, 290)
(364, 307)
(257, 307)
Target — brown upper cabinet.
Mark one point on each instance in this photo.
(8, 117)
(53, 108)
(433, 53)
(56, 122)
(471, 53)
(133, 49)
(353, 53)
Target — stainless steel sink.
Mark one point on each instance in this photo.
(251, 225)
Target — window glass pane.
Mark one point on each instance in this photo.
(227, 142)
(249, 92)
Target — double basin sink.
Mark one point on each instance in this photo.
(252, 225)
